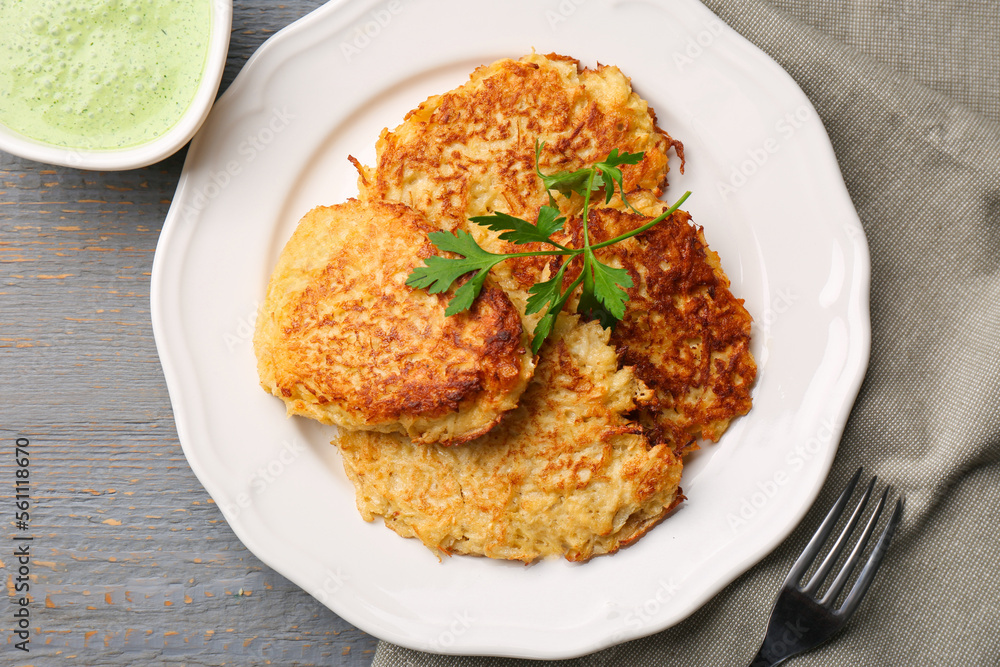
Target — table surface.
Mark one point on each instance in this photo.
(132, 562)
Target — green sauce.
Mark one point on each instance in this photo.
(100, 74)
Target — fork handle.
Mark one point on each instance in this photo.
(766, 658)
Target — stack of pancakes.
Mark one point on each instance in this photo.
(450, 429)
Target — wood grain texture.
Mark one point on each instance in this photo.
(132, 563)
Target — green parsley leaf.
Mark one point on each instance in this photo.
(467, 293)
(438, 273)
(542, 330)
(611, 174)
(462, 243)
(616, 159)
(568, 182)
(563, 182)
(543, 293)
(517, 230)
(608, 290)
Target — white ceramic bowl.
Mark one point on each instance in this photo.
(156, 149)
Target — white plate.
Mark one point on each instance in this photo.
(766, 188)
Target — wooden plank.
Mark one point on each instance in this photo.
(132, 563)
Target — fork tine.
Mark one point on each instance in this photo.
(872, 565)
(809, 553)
(831, 558)
(852, 561)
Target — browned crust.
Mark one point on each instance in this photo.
(684, 333)
(565, 474)
(344, 340)
(483, 134)
(640, 527)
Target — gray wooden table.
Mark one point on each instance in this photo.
(130, 563)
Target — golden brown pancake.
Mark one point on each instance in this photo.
(684, 333)
(471, 151)
(565, 474)
(340, 338)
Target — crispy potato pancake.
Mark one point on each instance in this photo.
(471, 151)
(565, 474)
(573, 454)
(684, 333)
(340, 337)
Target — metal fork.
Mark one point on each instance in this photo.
(801, 618)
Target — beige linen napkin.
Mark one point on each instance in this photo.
(910, 95)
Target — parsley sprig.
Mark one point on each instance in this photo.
(604, 293)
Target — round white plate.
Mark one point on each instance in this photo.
(766, 188)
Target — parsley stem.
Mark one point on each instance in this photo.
(586, 206)
(573, 252)
(560, 246)
(561, 301)
(541, 253)
(641, 229)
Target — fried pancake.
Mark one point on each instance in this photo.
(565, 474)
(471, 151)
(590, 458)
(340, 338)
(684, 333)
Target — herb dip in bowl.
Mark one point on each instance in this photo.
(108, 84)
